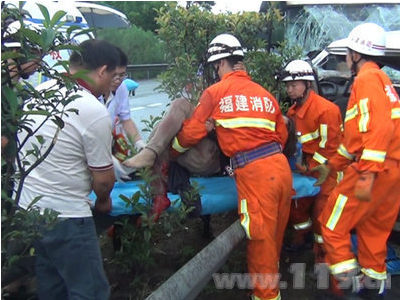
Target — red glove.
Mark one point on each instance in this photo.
(363, 186)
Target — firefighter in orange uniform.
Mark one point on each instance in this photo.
(251, 131)
(368, 198)
(318, 124)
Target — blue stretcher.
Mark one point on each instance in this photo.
(218, 194)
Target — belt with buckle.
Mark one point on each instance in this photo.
(240, 159)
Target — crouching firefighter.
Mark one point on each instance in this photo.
(318, 125)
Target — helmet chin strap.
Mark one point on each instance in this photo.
(300, 100)
(354, 64)
(215, 73)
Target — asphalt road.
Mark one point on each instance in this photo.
(147, 102)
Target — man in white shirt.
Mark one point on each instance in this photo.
(69, 263)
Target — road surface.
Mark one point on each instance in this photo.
(147, 102)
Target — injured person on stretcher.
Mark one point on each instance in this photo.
(204, 163)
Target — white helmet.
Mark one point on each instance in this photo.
(367, 38)
(298, 70)
(224, 45)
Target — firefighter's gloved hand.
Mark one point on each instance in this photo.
(139, 145)
(363, 186)
(323, 171)
(120, 171)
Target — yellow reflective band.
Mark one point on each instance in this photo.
(246, 122)
(246, 218)
(344, 266)
(336, 212)
(343, 152)
(374, 274)
(318, 238)
(319, 158)
(374, 155)
(339, 176)
(324, 135)
(364, 118)
(309, 136)
(176, 146)
(278, 297)
(396, 113)
(304, 225)
(351, 113)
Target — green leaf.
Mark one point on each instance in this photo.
(147, 235)
(11, 98)
(45, 14)
(31, 35)
(58, 121)
(33, 202)
(40, 139)
(9, 55)
(48, 36)
(36, 112)
(57, 17)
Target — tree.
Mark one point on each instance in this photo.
(20, 227)
(188, 32)
(140, 13)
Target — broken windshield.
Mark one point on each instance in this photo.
(316, 26)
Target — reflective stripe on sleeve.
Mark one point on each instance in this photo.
(373, 155)
(324, 135)
(343, 152)
(309, 136)
(364, 118)
(336, 212)
(351, 113)
(176, 146)
(246, 122)
(319, 158)
(339, 176)
(396, 113)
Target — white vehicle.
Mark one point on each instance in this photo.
(334, 77)
(82, 14)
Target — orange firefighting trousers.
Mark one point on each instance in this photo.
(304, 209)
(264, 190)
(373, 222)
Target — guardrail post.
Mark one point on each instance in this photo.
(189, 280)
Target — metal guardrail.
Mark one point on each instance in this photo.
(189, 280)
(130, 69)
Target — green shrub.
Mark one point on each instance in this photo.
(188, 32)
(141, 47)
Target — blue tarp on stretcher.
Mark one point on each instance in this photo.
(218, 194)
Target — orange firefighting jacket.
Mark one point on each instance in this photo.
(245, 114)
(319, 122)
(372, 122)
